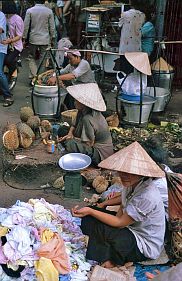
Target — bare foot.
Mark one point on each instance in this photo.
(108, 264)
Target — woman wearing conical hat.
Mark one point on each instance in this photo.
(89, 134)
(136, 232)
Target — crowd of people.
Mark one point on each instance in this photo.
(136, 232)
(41, 24)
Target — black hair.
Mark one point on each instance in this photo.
(9, 7)
(149, 11)
(153, 146)
(137, 4)
(39, 1)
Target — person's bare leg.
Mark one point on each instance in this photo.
(108, 264)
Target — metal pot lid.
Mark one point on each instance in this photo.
(74, 161)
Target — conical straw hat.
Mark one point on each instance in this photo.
(133, 159)
(89, 95)
(161, 64)
(140, 61)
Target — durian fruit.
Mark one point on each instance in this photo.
(25, 141)
(45, 124)
(59, 183)
(25, 113)
(10, 140)
(100, 184)
(12, 127)
(90, 175)
(116, 180)
(33, 122)
(26, 135)
(24, 129)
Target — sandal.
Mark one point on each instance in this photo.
(8, 102)
(12, 83)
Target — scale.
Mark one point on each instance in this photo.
(73, 163)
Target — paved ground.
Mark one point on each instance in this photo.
(22, 97)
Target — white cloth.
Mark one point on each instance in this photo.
(18, 243)
(145, 206)
(161, 184)
(131, 22)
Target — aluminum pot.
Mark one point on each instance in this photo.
(162, 98)
(41, 89)
(132, 110)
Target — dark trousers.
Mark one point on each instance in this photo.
(79, 147)
(10, 61)
(110, 243)
(69, 102)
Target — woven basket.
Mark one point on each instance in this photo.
(69, 115)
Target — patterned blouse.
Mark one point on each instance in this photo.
(131, 22)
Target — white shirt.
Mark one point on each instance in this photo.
(146, 208)
(3, 48)
(161, 184)
(82, 72)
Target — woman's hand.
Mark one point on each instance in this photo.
(102, 205)
(80, 213)
(51, 81)
(7, 41)
(113, 194)
(69, 136)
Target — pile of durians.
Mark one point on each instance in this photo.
(26, 131)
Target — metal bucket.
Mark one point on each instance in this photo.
(46, 104)
(163, 79)
(41, 89)
(132, 110)
(162, 98)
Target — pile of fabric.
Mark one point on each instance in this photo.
(41, 241)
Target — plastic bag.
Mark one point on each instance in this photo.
(130, 85)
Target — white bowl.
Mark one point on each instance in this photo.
(74, 161)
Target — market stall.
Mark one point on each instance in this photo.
(103, 32)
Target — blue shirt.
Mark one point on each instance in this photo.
(3, 48)
(148, 37)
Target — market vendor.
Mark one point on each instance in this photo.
(90, 133)
(77, 71)
(136, 232)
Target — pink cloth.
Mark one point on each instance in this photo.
(73, 52)
(3, 259)
(55, 250)
(16, 28)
